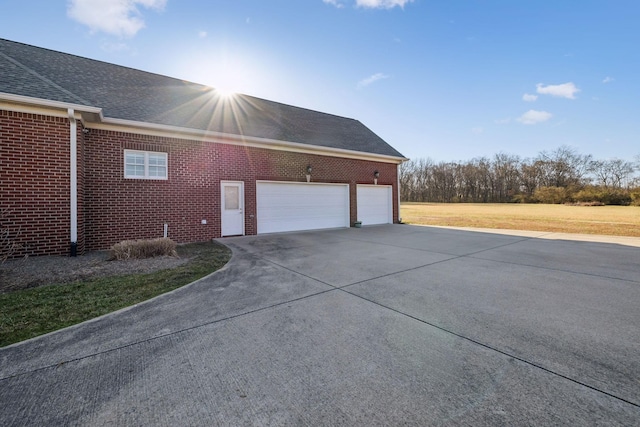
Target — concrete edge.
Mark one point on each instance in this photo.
(594, 238)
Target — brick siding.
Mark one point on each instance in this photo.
(34, 179)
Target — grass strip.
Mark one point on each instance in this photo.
(31, 312)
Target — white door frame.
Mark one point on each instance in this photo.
(232, 220)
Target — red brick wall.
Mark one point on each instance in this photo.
(34, 184)
(34, 181)
(119, 208)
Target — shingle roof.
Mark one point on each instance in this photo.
(126, 93)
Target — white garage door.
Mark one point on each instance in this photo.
(293, 206)
(374, 204)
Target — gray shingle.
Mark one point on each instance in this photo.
(126, 93)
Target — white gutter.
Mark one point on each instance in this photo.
(73, 171)
(93, 118)
(233, 139)
(28, 100)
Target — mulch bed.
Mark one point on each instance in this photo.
(30, 272)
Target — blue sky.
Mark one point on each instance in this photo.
(446, 79)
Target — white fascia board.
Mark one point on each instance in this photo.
(151, 129)
(27, 104)
(93, 118)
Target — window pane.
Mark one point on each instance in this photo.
(157, 171)
(135, 170)
(135, 159)
(231, 198)
(157, 160)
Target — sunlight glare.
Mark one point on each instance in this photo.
(224, 91)
(227, 81)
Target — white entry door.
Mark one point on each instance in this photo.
(232, 208)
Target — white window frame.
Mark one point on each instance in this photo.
(146, 155)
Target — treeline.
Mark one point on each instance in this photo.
(559, 176)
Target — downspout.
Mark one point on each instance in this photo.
(398, 189)
(73, 172)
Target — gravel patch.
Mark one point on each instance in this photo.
(31, 272)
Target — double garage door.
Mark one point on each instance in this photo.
(296, 206)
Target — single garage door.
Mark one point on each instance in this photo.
(374, 204)
(295, 206)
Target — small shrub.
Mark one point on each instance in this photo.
(635, 197)
(522, 198)
(604, 195)
(585, 204)
(137, 249)
(551, 195)
(9, 245)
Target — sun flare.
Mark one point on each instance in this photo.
(224, 91)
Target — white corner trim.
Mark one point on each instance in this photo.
(398, 191)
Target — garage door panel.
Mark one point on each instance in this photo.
(374, 204)
(301, 206)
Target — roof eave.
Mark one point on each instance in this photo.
(88, 113)
(233, 139)
(93, 118)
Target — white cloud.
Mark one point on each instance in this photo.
(118, 17)
(371, 4)
(477, 130)
(565, 90)
(202, 34)
(529, 98)
(533, 117)
(372, 79)
(382, 4)
(335, 3)
(502, 121)
(608, 79)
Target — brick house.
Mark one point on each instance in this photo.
(93, 153)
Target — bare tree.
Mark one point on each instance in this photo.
(506, 177)
(613, 173)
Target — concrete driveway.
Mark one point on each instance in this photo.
(390, 325)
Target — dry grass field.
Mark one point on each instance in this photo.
(603, 220)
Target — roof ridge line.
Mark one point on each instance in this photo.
(44, 79)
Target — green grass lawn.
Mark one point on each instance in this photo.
(32, 312)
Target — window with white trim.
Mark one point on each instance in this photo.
(145, 164)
